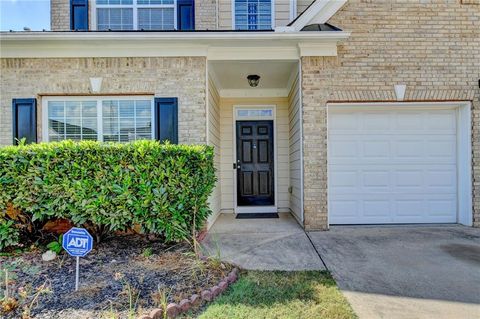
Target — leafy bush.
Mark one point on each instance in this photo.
(9, 235)
(56, 245)
(110, 187)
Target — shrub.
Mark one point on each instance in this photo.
(110, 187)
(9, 235)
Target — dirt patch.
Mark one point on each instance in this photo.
(119, 275)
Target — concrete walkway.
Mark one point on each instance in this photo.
(405, 271)
(262, 244)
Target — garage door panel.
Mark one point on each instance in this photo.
(376, 121)
(439, 179)
(392, 167)
(376, 208)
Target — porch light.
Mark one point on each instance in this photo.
(253, 80)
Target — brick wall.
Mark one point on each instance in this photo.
(165, 77)
(59, 15)
(432, 46)
(205, 15)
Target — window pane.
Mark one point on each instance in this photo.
(72, 120)
(127, 120)
(156, 19)
(114, 2)
(115, 18)
(143, 2)
(253, 14)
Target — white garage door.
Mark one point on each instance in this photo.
(392, 166)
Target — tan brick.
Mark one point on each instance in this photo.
(165, 77)
(60, 15)
(432, 46)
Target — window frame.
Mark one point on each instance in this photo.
(99, 99)
(134, 6)
(272, 23)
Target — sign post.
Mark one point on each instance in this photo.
(77, 242)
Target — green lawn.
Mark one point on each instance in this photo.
(280, 295)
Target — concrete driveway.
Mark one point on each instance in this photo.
(405, 271)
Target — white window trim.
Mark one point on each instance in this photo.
(256, 209)
(135, 8)
(234, 27)
(99, 100)
(464, 145)
(293, 9)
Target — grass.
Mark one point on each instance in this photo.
(281, 295)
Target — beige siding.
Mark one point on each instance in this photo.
(214, 140)
(225, 14)
(282, 13)
(302, 5)
(295, 160)
(227, 149)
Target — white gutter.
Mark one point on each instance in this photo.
(182, 36)
(213, 45)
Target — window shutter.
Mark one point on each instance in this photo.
(186, 15)
(79, 15)
(166, 119)
(24, 120)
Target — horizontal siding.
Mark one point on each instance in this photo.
(302, 5)
(214, 140)
(295, 160)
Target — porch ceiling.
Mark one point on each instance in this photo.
(275, 76)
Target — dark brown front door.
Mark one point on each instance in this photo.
(255, 180)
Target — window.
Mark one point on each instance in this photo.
(102, 119)
(253, 14)
(136, 14)
(249, 113)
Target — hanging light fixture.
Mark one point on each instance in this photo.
(253, 80)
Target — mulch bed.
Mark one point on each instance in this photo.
(117, 269)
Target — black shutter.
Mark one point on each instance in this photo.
(186, 14)
(79, 15)
(166, 119)
(24, 120)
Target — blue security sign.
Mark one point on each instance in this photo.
(77, 242)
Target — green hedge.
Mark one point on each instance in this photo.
(160, 187)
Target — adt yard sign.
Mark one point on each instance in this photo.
(78, 243)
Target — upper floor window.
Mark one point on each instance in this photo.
(136, 14)
(253, 14)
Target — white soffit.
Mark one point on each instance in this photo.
(214, 45)
(318, 13)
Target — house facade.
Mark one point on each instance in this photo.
(340, 112)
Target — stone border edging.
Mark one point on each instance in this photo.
(207, 295)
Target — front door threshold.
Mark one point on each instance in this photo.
(255, 209)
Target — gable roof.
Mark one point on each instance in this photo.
(318, 12)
